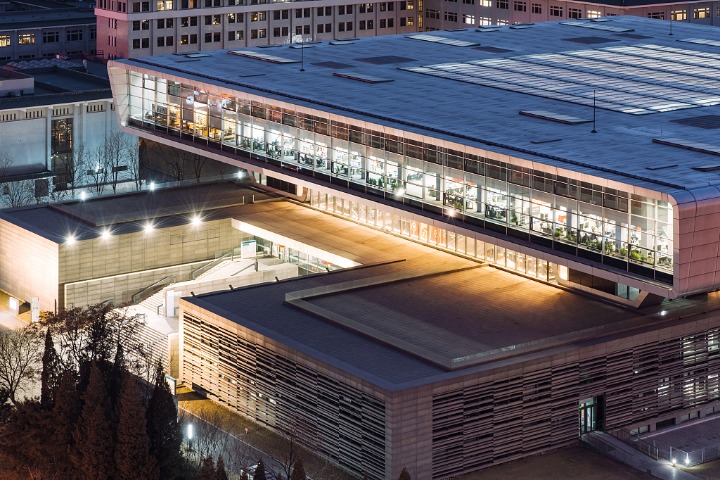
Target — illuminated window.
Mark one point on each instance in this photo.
(594, 14)
(469, 19)
(26, 39)
(701, 12)
(258, 16)
(678, 15)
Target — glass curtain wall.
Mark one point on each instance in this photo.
(622, 230)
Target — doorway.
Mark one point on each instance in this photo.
(592, 413)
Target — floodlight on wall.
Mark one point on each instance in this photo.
(148, 228)
(105, 234)
(196, 220)
(70, 239)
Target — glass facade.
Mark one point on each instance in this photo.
(600, 224)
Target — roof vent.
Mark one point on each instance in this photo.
(661, 167)
(689, 145)
(554, 117)
(708, 122)
(361, 77)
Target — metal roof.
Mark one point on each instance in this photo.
(642, 82)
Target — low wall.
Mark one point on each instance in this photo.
(119, 289)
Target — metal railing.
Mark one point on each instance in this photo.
(223, 256)
(151, 289)
(657, 449)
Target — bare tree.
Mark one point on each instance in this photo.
(114, 161)
(14, 193)
(132, 155)
(198, 162)
(96, 168)
(77, 168)
(174, 159)
(20, 354)
(93, 332)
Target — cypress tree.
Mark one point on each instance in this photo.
(260, 471)
(207, 470)
(94, 443)
(220, 472)
(117, 375)
(65, 415)
(50, 376)
(404, 475)
(163, 427)
(132, 451)
(298, 472)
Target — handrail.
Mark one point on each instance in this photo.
(656, 448)
(151, 289)
(200, 270)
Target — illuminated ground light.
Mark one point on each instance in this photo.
(83, 196)
(152, 186)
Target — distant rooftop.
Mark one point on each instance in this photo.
(44, 13)
(56, 81)
(469, 86)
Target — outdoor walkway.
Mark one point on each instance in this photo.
(617, 450)
(689, 436)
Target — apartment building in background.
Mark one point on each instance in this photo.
(44, 29)
(128, 29)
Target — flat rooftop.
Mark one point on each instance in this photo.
(412, 314)
(47, 14)
(470, 86)
(56, 82)
(128, 213)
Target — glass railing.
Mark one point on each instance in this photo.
(626, 256)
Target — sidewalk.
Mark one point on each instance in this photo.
(261, 439)
(617, 450)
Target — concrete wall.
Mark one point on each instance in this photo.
(26, 141)
(120, 288)
(253, 393)
(146, 254)
(28, 265)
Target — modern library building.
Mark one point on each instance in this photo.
(580, 154)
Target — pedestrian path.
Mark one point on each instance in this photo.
(619, 451)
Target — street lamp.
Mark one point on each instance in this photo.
(190, 435)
